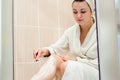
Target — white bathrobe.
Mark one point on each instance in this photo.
(86, 66)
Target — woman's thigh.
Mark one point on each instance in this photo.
(63, 67)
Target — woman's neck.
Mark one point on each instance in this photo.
(85, 28)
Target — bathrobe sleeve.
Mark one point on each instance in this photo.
(61, 46)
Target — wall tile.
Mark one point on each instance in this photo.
(48, 13)
(48, 36)
(26, 12)
(65, 13)
(26, 40)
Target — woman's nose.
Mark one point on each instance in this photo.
(79, 15)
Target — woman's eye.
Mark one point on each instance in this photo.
(83, 12)
(75, 12)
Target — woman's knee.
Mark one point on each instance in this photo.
(57, 60)
(63, 67)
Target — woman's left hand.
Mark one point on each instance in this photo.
(65, 58)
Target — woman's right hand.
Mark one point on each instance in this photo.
(40, 52)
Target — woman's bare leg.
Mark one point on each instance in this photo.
(49, 70)
(62, 68)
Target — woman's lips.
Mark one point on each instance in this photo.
(80, 20)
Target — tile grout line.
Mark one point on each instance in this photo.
(58, 14)
(38, 13)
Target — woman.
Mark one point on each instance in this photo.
(79, 40)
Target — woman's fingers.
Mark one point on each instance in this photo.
(38, 54)
(66, 58)
(35, 53)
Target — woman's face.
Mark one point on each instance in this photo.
(81, 12)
